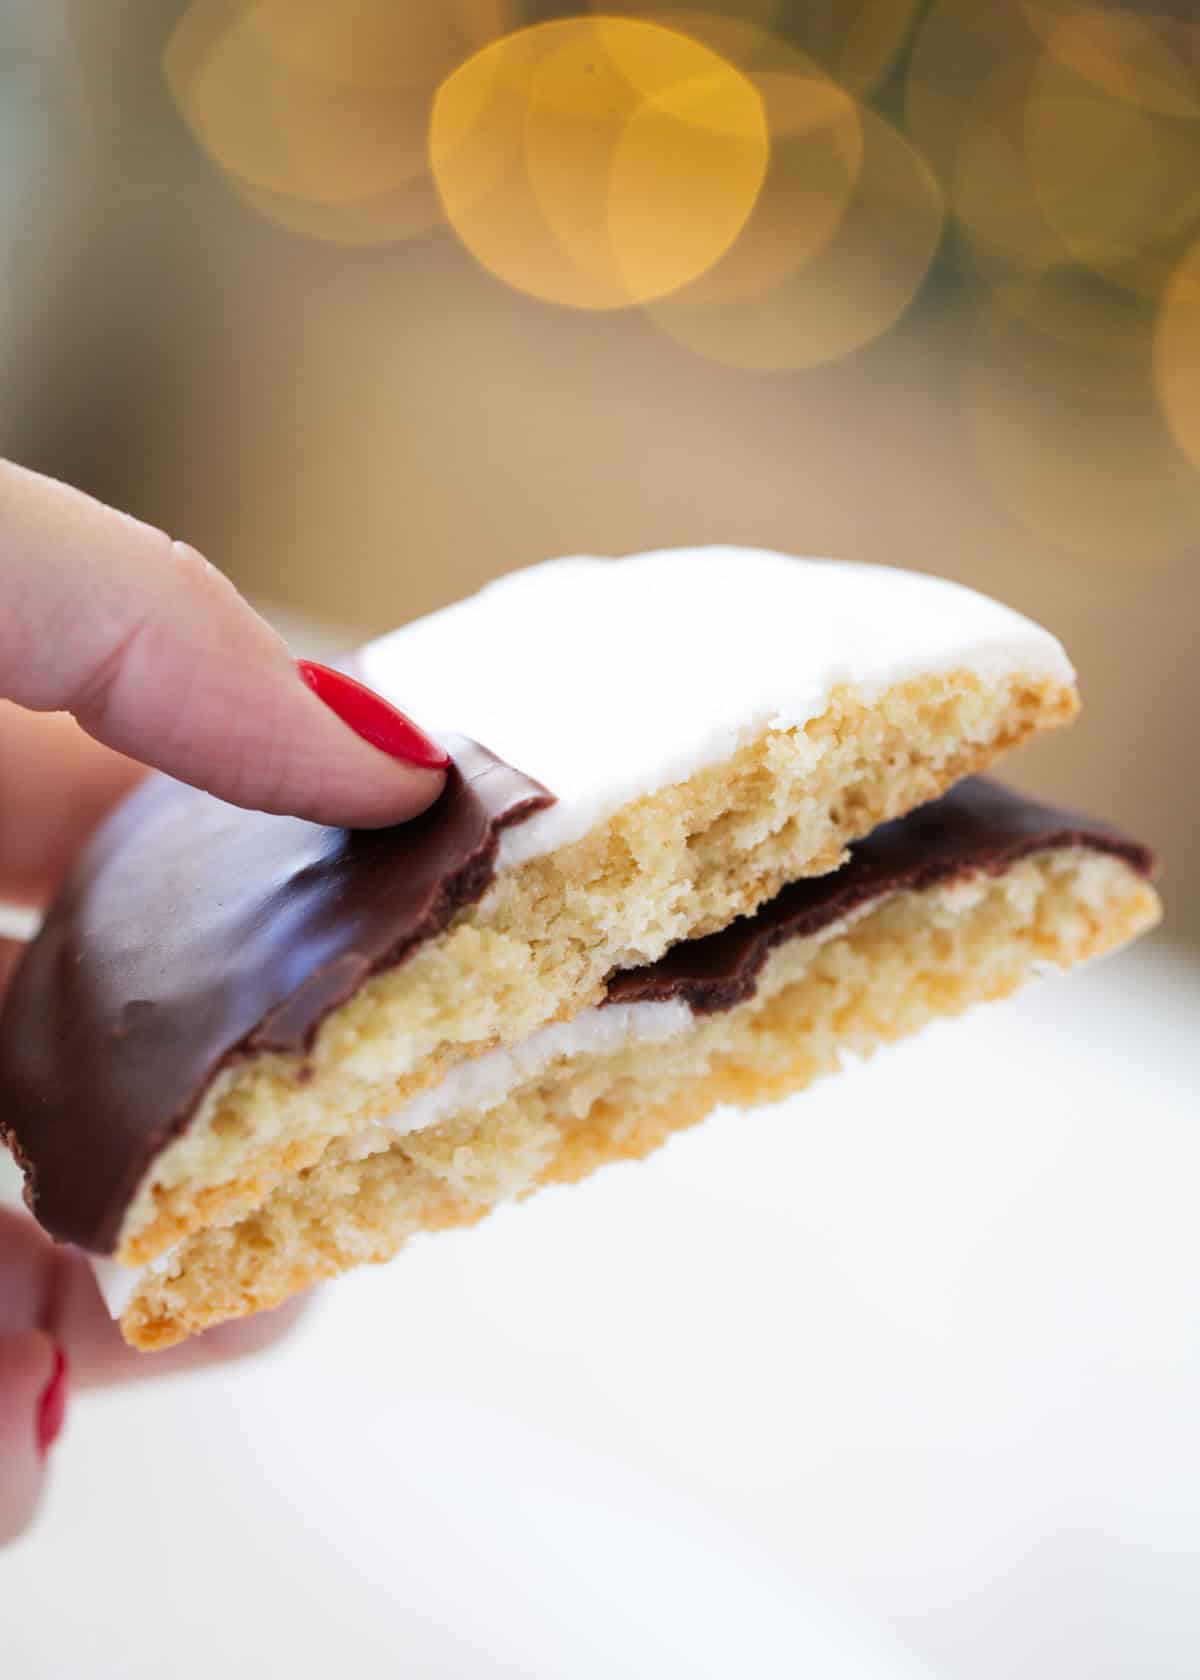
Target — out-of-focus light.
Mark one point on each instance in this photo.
(402, 213)
(318, 115)
(284, 128)
(1147, 55)
(1051, 174)
(1177, 354)
(1113, 179)
(816, 158)
(598, 162)
(1026, 263)
(960, 46)
(855, 43)
(377, 43)
(737, 30)
(757, 310)
(1073, 446)
(991, 191)
(735, 36)
(1092, 329)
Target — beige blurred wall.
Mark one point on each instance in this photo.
(368, 434)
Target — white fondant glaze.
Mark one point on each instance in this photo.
(610, 679)
(483, 1082)
(477, 1085)
(119, 1284)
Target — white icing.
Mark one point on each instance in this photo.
(119, 1284)
(483, 1082)
(476, 1085)
(611, 679)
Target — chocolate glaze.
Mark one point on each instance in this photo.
(977, 826)
(190, 932)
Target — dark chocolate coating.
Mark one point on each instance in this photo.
(978, 825)
(190, 932)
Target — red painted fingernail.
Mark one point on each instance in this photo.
(52, 1406)
(372, 717)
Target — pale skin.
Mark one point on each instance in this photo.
(120, 649)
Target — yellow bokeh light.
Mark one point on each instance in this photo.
(318, 115)
(706, 155)
(1093, 329)
(960, 47)
(840, 292)
(736, 31)
(740, 37)
(1177, 354)
(598, 162)
(1144, 57)
(377, 43)
(816, 159)
(1111, 178)
(402, 213)
(854, 42)
(991, 189)
(1051, 174)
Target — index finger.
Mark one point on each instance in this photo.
(46, 1287)
(56, 783)
(158, 656)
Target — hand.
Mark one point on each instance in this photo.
(142, 654)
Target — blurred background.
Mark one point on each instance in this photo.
(373, 301)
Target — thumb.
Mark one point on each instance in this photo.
(157, 655)
(32, 1394)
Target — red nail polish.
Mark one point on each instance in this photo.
(52, 1406)
(372, 717)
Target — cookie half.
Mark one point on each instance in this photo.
(222, 1006)
(961, 901)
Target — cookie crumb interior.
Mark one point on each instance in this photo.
(878, 975)
(541, 943)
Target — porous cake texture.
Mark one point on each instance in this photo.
(714, 725)
(879, 975)
(542, 941)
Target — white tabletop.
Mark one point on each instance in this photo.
(901, 1378)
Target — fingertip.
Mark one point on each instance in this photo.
(27, 1361)
(403, 774)
(322, 746)
(352, 789)
(160, 659)
(400, 796)
(32, 1399)
(376, 720)
(100, 1355)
